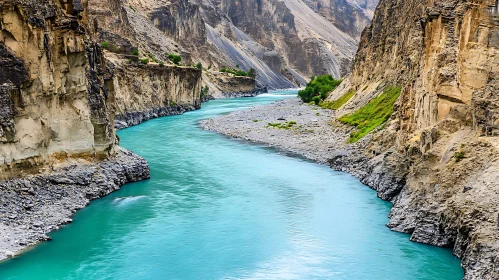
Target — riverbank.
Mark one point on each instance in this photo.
(310, 132)
(33, 206)
(463, 221)
(129, 119)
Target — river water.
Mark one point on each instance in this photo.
(219, 208)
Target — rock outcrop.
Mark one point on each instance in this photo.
(57, 106)
(35, 205)
(143, 92)
(436, 158)
(223, 85)
(52, 96)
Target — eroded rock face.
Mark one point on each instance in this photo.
(436, 159)
(223, 85)
(285, 41)
(143, 92)
(306, 42)
(51, 87)
(349, 17)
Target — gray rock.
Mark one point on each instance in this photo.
(58, 196)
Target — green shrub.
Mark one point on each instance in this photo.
(319, 87)
(317, 100)
(175, 58)
(144, 61)
(459, 156)
(199, 66)
(335, 105)
(372, 115)
(251, 72)
(105, 45)
(135, 52)
(161, 64)
(152, 57)
(204, 91)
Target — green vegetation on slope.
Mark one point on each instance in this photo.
(318, 89)
(335, 105)
(204, 91)
(372, 115)
(175, 58)
(105, 45)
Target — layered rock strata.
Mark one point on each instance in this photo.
(436, 158)
(143, 92)
(286, 42)
(223, 85)
(52, 96)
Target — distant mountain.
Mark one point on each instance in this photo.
(285, 41)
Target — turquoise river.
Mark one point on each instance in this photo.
(219, 208)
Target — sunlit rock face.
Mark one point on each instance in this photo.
(440, 146)
(52, 99)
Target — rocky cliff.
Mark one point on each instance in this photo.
(436, 158)
(286, 42)
(56, 121)
(53, 101)
(143, 92)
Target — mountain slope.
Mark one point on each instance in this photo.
(285, 41)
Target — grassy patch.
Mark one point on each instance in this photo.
(335, 105)
(372, 115)
(318, 89)
(286, 126)
(153, 58)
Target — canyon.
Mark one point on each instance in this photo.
(73, 72)
(435, 158)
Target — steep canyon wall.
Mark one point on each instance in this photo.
(51, 85)
(60, 90)
(436, 158)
